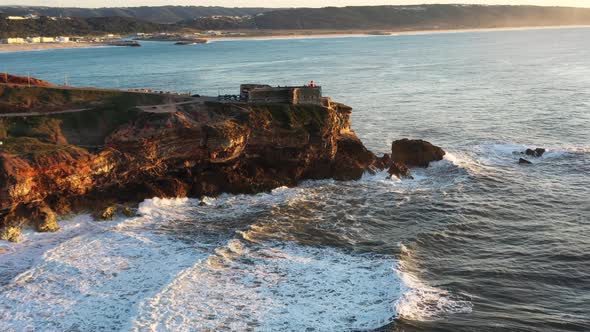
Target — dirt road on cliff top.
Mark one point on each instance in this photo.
(161, 108)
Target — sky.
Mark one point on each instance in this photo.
(278, 3)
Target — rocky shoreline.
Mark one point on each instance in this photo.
(105, 162)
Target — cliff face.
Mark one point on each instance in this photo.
(90, 159)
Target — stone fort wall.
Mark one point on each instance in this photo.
(290, 95)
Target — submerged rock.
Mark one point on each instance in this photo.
(415, 153)
(523, 161)
(538, 152)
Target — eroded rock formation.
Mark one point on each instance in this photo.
(92, 159)
(111, 154)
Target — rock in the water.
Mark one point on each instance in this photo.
(418, 153)
(2, 251)
(107, 213)
(538, 152)
(524, 161)
(11, 234)
(399, 170)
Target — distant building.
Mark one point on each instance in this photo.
(47, 40)
(16, 18)
(62, 39)
(12, 41)
(33, 40)
(260, 93)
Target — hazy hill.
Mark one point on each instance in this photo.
(161, 14)
(425, 16)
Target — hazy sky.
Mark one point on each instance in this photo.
(276, 3)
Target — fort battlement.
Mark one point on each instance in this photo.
(262, 93)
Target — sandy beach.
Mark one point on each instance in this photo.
(45, 46)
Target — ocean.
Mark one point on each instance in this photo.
(476, 242)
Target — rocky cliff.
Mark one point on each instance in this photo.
(56, 163)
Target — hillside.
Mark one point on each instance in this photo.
(75, 26)
(161, 14)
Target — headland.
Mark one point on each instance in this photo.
(70, 150)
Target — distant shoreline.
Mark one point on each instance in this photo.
(7, 48)
(313, 34)
(290, 34)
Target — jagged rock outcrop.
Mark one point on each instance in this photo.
(93, 160)
(415, 153)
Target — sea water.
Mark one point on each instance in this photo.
(476, 242)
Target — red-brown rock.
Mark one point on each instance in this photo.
(198, 150)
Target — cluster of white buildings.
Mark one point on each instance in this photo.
(31, 17)
(34, 40)
(26, 17)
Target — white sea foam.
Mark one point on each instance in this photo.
(94, 280)
(277, 287)
(141, 273)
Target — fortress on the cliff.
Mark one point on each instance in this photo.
(262, 93)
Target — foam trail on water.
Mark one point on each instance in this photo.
(422, 302)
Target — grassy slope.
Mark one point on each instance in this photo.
(45, 133)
